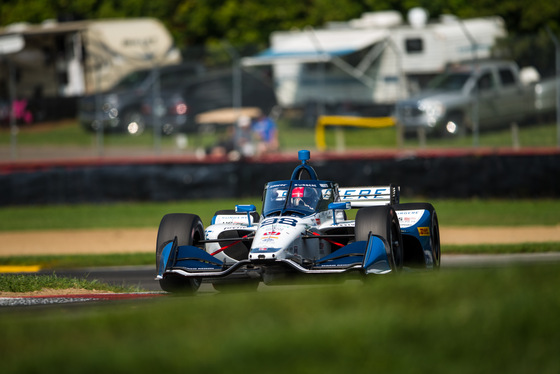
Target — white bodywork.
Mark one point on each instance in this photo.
(281, 237)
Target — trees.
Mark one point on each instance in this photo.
(194, 22)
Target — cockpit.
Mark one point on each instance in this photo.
(298, 196)
(301, 197)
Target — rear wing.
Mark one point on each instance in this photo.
(360, 197)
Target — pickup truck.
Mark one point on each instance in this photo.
(494, 89)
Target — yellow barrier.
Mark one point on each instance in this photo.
(19, 268)
(371, 122)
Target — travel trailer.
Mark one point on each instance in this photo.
(373, 61)
(72, 59)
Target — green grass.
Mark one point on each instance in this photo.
(69, 134)
(80, 261)
(63, 133)
(291, 137)
(500, 320)
(451, 212)
(85, 216)
(30, 283)
(537, 135)
(501, 248)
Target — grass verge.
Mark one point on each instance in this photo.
(89, 216)
(502, 248)
(30, 283)
(451, 212)
(461, 321)
(291, 137)
(80, 261)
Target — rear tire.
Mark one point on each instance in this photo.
(189, 230)
(382, 221)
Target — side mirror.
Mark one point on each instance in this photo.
(246, 209)
(336, 206)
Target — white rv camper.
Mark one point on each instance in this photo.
(67, 59)
(371, 61)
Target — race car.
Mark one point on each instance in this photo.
(302, 231)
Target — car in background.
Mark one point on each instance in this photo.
(178, 105)
(171, 112)
(489, 94)
(120, 108)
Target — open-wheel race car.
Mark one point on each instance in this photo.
(302, 231)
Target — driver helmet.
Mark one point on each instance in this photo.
(297, 195)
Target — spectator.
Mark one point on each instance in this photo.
(266, 134)
(21, 111)
(243, 137)
(238, 141)
(224, 145)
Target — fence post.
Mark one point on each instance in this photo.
(515, 135)
(557, 54)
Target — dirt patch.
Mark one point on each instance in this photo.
(499, 235)
(60, 242)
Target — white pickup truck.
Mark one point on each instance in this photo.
(496, 90)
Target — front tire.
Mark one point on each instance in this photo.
(382, 221)
(189, 230)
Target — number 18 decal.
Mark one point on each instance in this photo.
(280, 221)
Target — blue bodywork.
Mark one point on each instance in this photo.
(370, 256)
(418, 240)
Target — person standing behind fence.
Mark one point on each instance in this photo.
(243, 137)
(266, 134)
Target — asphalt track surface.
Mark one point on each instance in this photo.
(143, 278)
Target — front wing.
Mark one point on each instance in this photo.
(366, 257)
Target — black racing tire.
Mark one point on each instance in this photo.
(434, 228)
(382, 221)
(189, 230)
